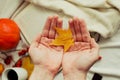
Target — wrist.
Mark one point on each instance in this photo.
(75, 75)
(40, 73)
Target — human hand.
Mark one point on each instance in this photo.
(82, 55)
(44, 56)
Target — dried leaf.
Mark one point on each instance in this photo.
(64, 38)
(26, 63)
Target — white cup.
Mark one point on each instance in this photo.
(15, 73)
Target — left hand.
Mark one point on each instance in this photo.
(42, 54)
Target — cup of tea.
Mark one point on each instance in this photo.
(15, 73)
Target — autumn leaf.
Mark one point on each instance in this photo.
(26, 63)
(1, 68)
(64, 38)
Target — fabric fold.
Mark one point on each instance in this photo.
(98, 14)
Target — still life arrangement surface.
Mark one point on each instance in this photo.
(13, 50)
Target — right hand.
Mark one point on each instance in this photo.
(83, 54)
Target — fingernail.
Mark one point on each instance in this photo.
(99, 58)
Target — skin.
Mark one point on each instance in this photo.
(82, 55)
(48, 59)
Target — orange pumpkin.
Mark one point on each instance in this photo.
(9, 34)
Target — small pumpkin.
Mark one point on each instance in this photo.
(9, 34)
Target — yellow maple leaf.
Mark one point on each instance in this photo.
(64, 38)
(26, 63)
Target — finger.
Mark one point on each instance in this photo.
(95, 50)
(52, 30)
(71, 26)
(85, 33)
(94, 46)
(77, 29)
(59, 24)
(47, 27)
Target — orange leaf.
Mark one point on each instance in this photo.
(64, 38)
(26, 63)
(1, 68)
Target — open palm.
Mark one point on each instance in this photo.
(84, 53)
(42, 54)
